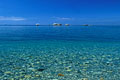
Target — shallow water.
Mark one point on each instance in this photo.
(60, 53)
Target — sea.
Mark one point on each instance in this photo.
(60, 52)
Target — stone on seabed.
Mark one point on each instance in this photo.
(68, 70)
(101, 78)
(7, 72)
(27, 76)
(83, 79)
(60, 74)
(37, 75)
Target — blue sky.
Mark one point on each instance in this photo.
(61, 11)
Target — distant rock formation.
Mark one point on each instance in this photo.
(37, 24)
(67, 24)
(57, 24)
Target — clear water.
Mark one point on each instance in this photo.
(76, 52)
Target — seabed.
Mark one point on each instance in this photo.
(59, 60)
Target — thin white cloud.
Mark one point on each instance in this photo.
(3, 18)
(62, 18)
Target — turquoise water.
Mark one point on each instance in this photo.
(45, 52)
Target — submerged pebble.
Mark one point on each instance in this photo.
(83, 79)
(1, 73)
(40, 69)
(101, 78)
(8, 72)
(60, 74)
(28, 76)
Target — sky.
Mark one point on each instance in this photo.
(60, 11)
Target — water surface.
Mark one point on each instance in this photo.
(44, 52)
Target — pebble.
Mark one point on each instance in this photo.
(40, 69)
(32, 69)
(101, 78)
(109, 71)
(1, 73)
(37, 62)
(27, 76)
(97, 72)
(60, 74)
(7, 72)
(37, 75)
(12, 79)
(83, 79)
(68, 70)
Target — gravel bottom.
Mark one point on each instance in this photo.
(53, 60)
